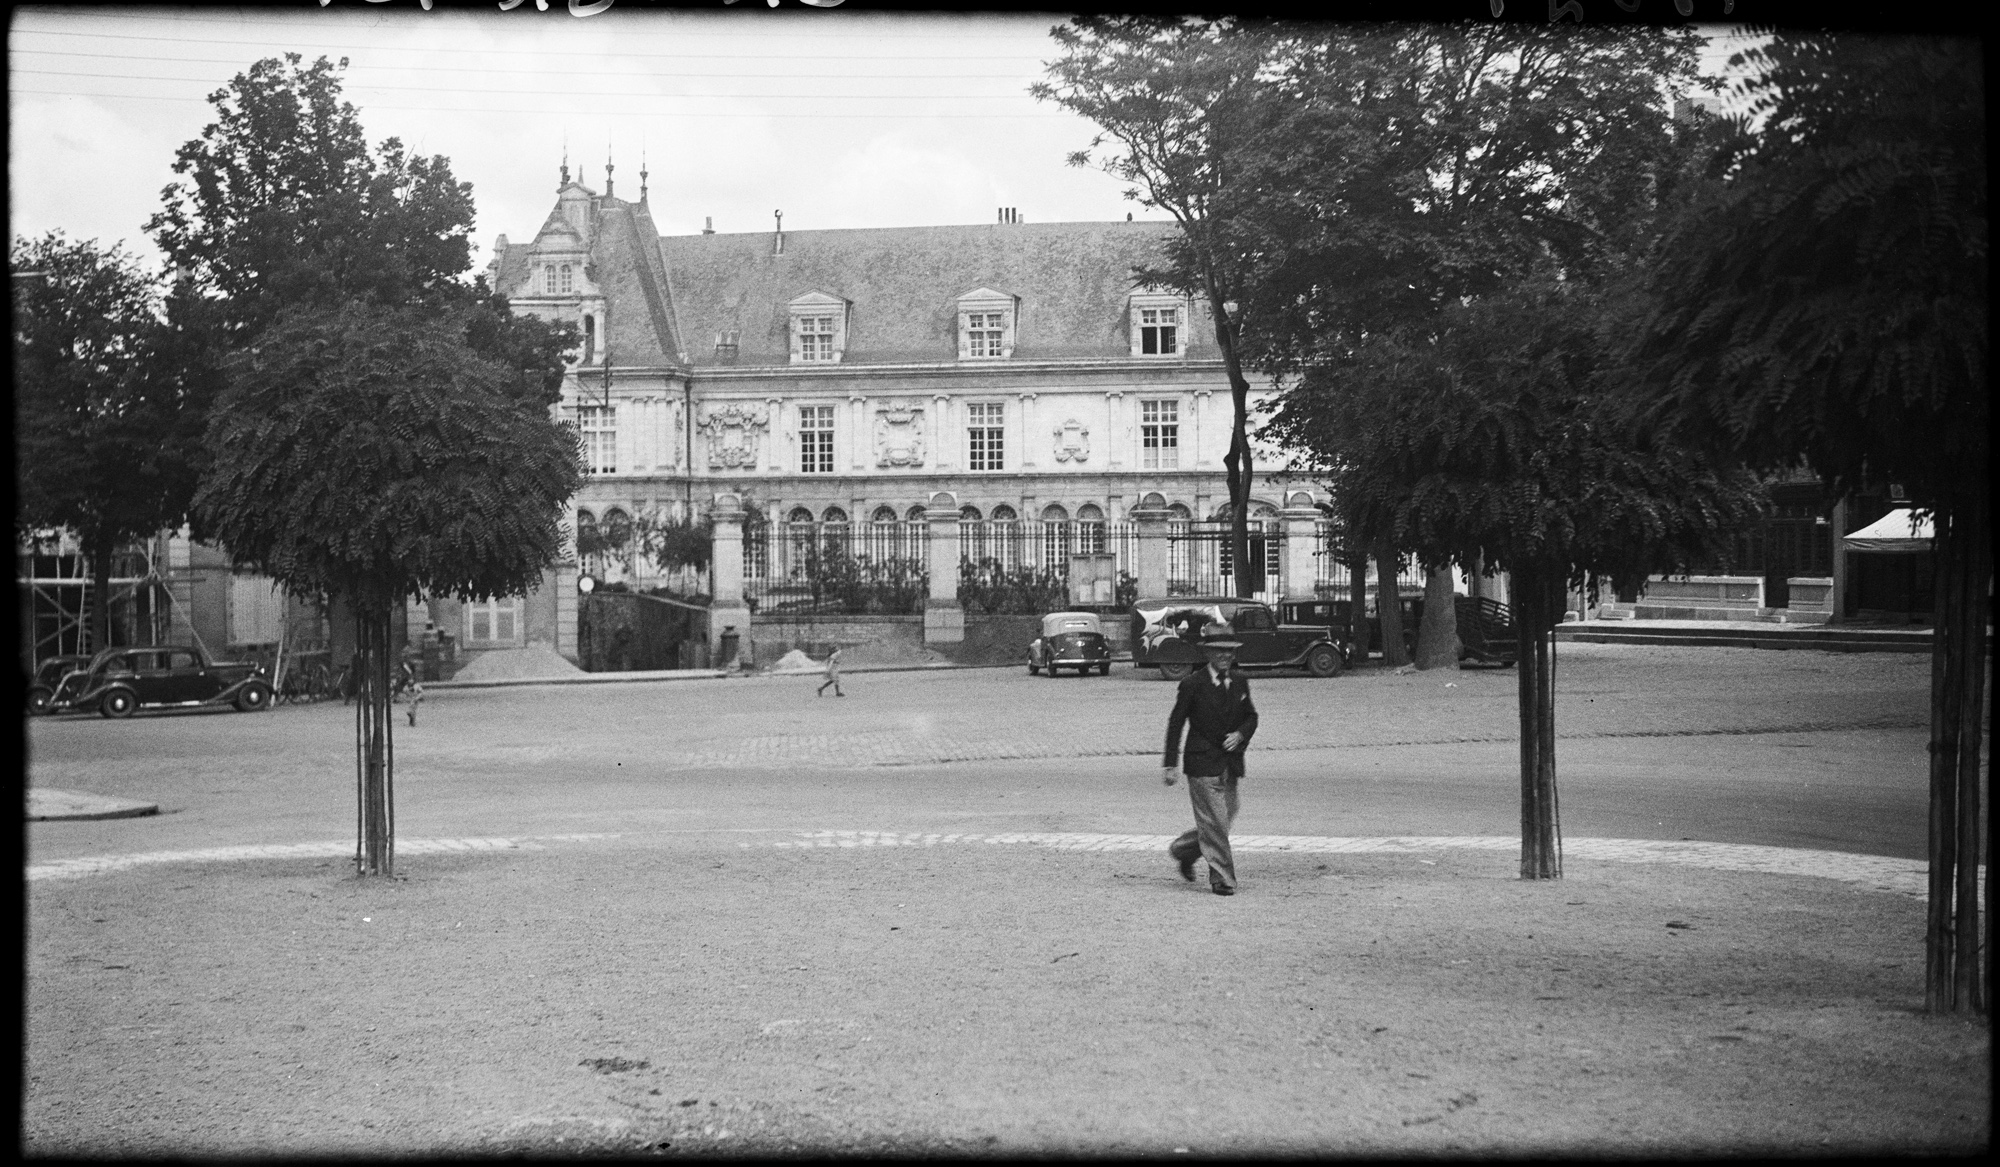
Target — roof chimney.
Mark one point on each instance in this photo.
(708, 225)
(778, 245)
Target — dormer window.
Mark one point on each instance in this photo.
(1159, 325)
(567, 282)
(819, 328)
(815, 338)
(985, 325)
(549, 280)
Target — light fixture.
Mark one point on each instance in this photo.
(585, 584)
(1229, 306)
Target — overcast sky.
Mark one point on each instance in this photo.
(837, 118)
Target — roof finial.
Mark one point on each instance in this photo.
(565, 165)
(607, 169)
(642, 169)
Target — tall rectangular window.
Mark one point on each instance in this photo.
(815, 338)
(816, 439)
(986, 447)
(1159, 331)
(1160, 435)
(599, 424)
(984, 333)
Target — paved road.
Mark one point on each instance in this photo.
(1721, 745)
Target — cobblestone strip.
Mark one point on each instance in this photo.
(1873, 872)
(98, 864)
(903, 749)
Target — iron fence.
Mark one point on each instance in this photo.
(1200, 558)
(830, 568)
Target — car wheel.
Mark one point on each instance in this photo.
(118, 703)
(39, 699)
(1177, 672)
(1051, 670)
(1323, 661)
(253, 696)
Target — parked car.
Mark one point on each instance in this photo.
(1070, 640)
(1166, 635)
(48, 679)
(1485, 626)
(120, 681)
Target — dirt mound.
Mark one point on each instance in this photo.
(512, 663)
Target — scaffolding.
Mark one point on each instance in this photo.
(52, 579)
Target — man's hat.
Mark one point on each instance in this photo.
(1220, 635)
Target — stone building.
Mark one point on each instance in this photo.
(853, 376)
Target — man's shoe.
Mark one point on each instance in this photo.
(1187, 869)
(1222, 889)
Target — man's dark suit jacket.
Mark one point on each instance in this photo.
(1210, 712)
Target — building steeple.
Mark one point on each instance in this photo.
(565, 162)
(642, 176)
(607, 171)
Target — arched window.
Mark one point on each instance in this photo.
(1179, 513)
(917, 514)
(834, 515)
(1090, 529)
(549, 279)
(618, 543)
(568, 284)
(1057, 536)
(799, 515)
(1006, 537)
(969, 514)
(585, 521)
(883, 514)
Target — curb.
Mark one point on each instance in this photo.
(46, 805)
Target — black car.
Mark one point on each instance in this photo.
(121, 681)
(48, 680)
(1485, 625)
(1070, 640)
(1166, 634)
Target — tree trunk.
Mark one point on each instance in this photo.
(1437, 632)
(1238, 461)
(1955, 934)
(100, 594)
(1389, 605)
(1537, 591)
(374, 744)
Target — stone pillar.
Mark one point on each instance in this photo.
(1301, 544)
(944, 618)
(725, 573)
(1150, 558)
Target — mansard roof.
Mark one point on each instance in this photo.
(1073, 282)
(639, 303)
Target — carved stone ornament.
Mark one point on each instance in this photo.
(1072, 442)
(899, 435)
(732, 436)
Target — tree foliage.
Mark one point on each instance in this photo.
(283, 203)
(109, 402)
(1826, 298)
(370, 453)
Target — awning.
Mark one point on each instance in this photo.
(1892, 533)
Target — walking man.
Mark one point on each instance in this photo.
(832, 676)
(1214, 705)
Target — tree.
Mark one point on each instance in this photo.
(109, 404)
(1177, 97)
(1407, 170)
(372, 454)
(1488, 439)
(1827, 301)
(333, 278)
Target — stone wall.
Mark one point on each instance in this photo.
(989, 639)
